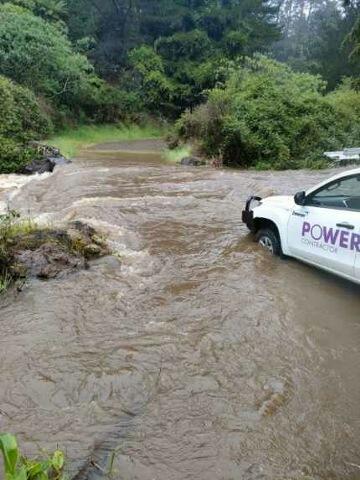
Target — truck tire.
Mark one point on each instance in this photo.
(269, 240)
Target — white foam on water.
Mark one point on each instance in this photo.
(114, 235)
(133, 201)
(44, 219)
(94, 201)
(106, 228)
(3, 206)
(11, 185)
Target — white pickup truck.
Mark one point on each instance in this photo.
(320, 226)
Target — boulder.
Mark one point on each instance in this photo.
(192, 161)
(47, 159)
(92, 250)
(39, 165)
(49, 261)
(60, 160)
(83, 228)
(49, 253)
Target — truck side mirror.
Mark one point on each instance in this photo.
(300, 198)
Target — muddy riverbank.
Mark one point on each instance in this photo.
(196, 356)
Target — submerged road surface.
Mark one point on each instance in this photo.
(193, 354)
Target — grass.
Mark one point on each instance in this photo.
(11, 228)
(71, 141)
(177, 154)
(5, 282)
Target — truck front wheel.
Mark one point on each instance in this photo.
(269, 240)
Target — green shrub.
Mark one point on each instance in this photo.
(21, 116)
(17, 467)
(13, 156)
(21, 120)
(37, 54)
(346, 102)
(268, 115)
(107, 104)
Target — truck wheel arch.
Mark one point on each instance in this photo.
(265, 223)
(261, 223)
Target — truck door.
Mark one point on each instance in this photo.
(357, 266)
(326, 230)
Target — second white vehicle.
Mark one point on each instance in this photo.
(320, 226)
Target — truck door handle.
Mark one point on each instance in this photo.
(298, 214)
(345, 225)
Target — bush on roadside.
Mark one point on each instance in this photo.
(14, 156)
(346, 102)
(107, 104)
(21, 120)
(268, 116)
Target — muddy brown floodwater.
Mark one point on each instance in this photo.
(194, 356)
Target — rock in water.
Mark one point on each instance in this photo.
(192, 161)
(60, 160)
(50, 253)
(92, 250)
(49, 260)
(47, 159)
(41, 165)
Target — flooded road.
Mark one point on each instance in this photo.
(192, 354)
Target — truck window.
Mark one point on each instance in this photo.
(340, 194)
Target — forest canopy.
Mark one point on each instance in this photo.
(97, 61)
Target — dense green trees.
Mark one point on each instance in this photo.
(319, 37)
(36, 53)
(114, 60)
(266, 115)
(120, 25)
(352, 7)
(51, 10)
(190, 37)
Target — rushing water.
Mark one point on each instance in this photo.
(194, 355)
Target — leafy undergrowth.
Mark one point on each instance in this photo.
(71, 141)
(268, 116)
(18, 467)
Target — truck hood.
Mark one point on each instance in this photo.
(284, 201)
